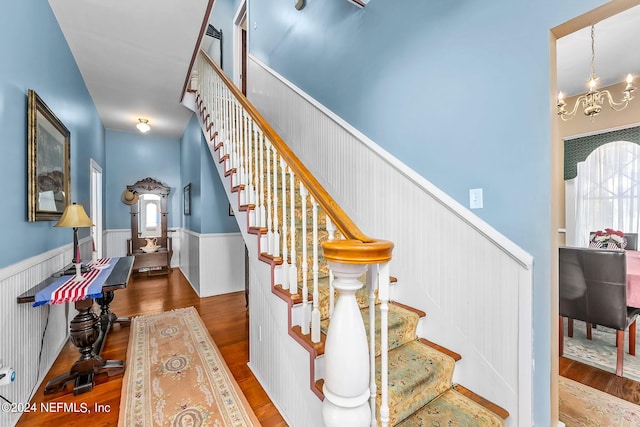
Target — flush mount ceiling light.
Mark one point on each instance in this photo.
(592, 101)
(143, 125)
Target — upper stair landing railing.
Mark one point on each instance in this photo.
(276, 189)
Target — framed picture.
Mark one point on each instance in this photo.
(48, 156)
(187, 199)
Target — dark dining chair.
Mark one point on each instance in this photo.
(593, 288)
(632, 241)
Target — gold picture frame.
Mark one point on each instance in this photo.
(48, 157)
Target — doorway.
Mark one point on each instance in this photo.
(240, 48)
(95, 172)
(558, 219)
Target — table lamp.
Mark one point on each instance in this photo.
(74, 217)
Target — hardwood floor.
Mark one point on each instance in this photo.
(621, 387)
(227, 321)
(225, 316)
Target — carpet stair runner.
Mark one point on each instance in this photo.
(421, 392)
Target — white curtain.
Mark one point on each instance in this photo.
(608, 190)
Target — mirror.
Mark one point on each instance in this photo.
(149, 222)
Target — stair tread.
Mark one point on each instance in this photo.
(444, 350)
(417, 375)
(402, 325)
(499, 411)
(453, 408)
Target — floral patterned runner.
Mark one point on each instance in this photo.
(583, 406)
(176, 376)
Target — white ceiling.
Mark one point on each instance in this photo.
(617, 48)
(134, 57)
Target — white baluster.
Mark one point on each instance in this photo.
(372, 284)
(293, 269)
(315, 314)
(235, 157)
(276, 233)
(253, 174)
(243, 159)
(285, 253)
(331, 230)
(253, 157)
(305, 267)
(346, 361)
(383, 295)
(261, 213)
(269, 185)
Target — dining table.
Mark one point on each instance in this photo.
(633, 278)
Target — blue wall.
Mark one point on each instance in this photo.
(135, 156)
(458, 91)
(222, 19)
(209, 203)
(35, 56)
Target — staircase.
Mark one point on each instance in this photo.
(291, 227)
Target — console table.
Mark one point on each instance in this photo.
(89, 331)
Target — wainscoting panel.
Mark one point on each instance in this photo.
(272, 349)
(32, 337)
(474, 284)
(189, 257)
(116, 242)
(221, 263)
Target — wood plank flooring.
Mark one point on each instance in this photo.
(227, 321)
(226, 318)
(610, 383)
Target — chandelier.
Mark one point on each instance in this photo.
(592, 101)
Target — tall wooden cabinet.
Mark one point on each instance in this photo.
(149, 221)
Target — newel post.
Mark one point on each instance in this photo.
(347, 366)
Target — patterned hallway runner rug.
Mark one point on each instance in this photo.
(175, 376)
(583, 406)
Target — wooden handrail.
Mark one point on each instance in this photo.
(342, 221)
(194, 55)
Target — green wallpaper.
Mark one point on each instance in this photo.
(577, 150)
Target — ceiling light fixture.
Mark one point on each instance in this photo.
(592, 101)
(143, 125)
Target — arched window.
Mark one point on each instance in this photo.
(607, 190)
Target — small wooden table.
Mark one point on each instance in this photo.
(89, 332)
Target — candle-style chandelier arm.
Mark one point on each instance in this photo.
(618, 106)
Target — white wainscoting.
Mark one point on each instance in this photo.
(474, 284)
(213, 263)
(115, 242)
(280, 364)
(28, 331)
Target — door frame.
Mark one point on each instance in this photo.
(240, 44)
(557, 176)
(95, 211)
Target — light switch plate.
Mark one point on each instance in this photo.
(475, 198)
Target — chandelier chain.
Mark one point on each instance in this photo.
(593, 52)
